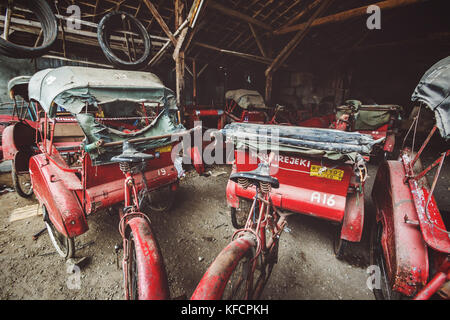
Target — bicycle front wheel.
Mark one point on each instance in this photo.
(145, 276)
(235, 274)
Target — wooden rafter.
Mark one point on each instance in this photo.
(287, 50)
(302, 13)
(258, 40)
(160, 21)
(238, 15)
(346, 15)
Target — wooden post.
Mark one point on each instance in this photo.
(179, 74)
(178, 56)
(268, 87)
(194, 82)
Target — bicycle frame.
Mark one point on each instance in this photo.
(213, 283)
(258, 229)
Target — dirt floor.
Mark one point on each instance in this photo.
(190, 235)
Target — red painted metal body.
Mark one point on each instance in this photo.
(214, 281)
(414, 235)
(210, 116)
(406, 253)
(235, 113)
(302, 192)
(72, 192)
(59, 196)
(330, 121)
(17, 136)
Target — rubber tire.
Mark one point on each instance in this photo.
(171, 201)
(102, 35)
(17, 186)
(134, 294)
(375, 251)
(46, 17)
(246, 258)
(340, 246)
(69, 251)
(234, 222)
(233, 213)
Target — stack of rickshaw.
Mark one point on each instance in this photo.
(88, 139)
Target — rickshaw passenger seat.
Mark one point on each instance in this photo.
(260, 174)
(131, 155)
(68, 132)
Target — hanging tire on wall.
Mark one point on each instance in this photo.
(44, 14)
(120, 46)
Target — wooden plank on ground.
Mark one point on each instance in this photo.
(25, 212)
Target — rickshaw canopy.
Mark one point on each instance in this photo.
(434, 91)
(19, 86)
(246, 98)
(74, 87)
(94, 95)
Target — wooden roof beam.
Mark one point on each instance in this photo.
(161, 21)
(308, 9)
(258, 41)
(346, 15)
(287, 51)
(238, 15)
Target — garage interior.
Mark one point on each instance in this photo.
(308, 56)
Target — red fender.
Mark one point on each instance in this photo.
(214, 281)
(352, 225)
(152, 275)
(404, 249)
(197, 160)
(15, 137)
(52, 190)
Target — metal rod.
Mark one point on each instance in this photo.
(7, 21)
(164, 136)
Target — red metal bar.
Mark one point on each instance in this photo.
(431, 166)
(432, 287)
(423, 146)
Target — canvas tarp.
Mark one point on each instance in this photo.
(366, 119)
(327, 143)
(434, 91)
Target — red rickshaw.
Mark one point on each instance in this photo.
(104, 138)
(17, 128)
(245, 106)
(410, 242)
(379, 121)
(321, 172)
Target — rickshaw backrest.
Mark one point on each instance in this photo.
(68, 132)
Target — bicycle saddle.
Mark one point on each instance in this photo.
(131, 155)
(260, 174)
